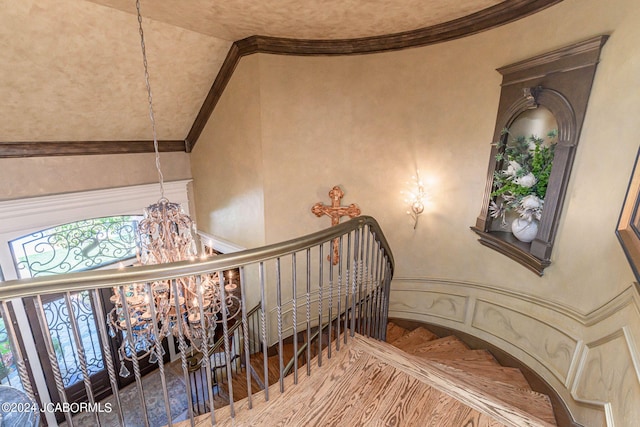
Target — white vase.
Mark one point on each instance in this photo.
(524, 230)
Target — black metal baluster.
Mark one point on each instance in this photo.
(367, 295)
(295, 316)
(387, 290)
(354, 285)
(308, 307)
(134, 355)
(182, 346)
(347, 310)
(279, 321)
(81, 354)
(19, 359)
(158, 350)
(320, 288)
(329, 331)
(361, 279)
(378, 307)
(53, 360)
(227, 352)
(339, 294)
(263, 328)
(245, 334)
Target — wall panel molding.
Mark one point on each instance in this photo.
(590, 358)
(547, 344)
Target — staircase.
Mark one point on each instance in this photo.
(433, 381)
(477, 367)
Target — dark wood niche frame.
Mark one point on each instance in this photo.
(491, 17)
(560, 81)
(628, 230)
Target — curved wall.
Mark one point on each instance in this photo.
(367, 122)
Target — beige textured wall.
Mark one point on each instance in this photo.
(227, 163)
(40, 176)
(367, 122)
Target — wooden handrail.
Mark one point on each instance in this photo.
(97, 279)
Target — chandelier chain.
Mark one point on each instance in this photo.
(150, 98)
(186, 307)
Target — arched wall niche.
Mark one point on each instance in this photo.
(559, 81)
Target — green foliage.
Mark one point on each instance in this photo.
(533, 156)
(541, 164)
(4, 371)
(524, 169)
(5, 351)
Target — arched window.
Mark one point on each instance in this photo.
(50, 235)
(77, 246)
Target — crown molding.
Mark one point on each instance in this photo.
(500, 14)
(82, 148)
(219, 84)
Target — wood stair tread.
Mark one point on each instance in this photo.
(448, 345)
(501, 374)
(476, 369)
(512, 379)
(516, 393)
(394, 332)
(480, 368)
(415, 337)
(334, 386)
(478, 356)
(524, 398)
(535, 404)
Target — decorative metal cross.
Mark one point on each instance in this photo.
(335, 211)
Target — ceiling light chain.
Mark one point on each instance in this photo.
(186, 307)
(150, 97)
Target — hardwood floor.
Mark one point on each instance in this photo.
(369, 383)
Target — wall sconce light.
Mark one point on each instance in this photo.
(416, 199)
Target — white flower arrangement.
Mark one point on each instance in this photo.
(522, 185)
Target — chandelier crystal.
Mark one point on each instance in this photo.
(186, 307)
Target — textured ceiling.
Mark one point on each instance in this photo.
(71, 70)
(314, 19)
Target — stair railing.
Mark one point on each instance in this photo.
(197, 372)
(316, 335)
(336, 281)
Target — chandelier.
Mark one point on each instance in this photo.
(186, 307)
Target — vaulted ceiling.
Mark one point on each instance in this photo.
(72, 79)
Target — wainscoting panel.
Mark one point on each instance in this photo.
(438, 304)
(544, 342)
(591, 359)
(608, 374)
